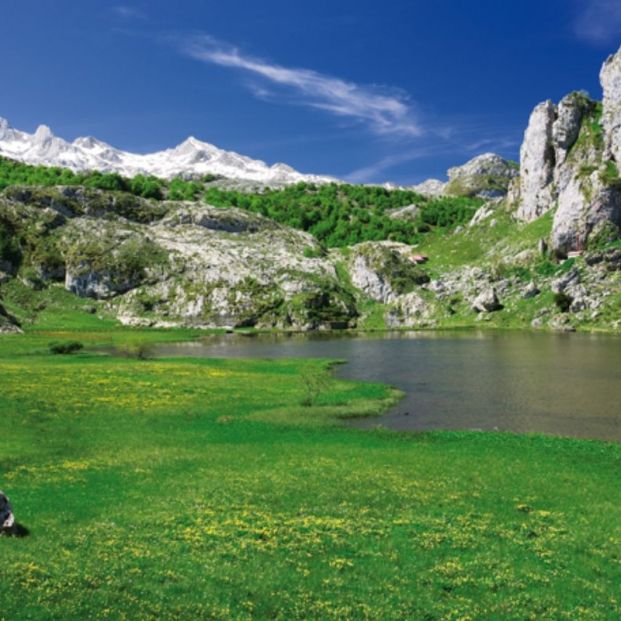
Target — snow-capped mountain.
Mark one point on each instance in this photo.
(191, 157)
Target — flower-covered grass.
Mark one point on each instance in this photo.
(204, 489)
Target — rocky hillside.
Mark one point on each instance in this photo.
(171, 263)
(548, 255)
(485, 176)
(569, 165)
(180, 263)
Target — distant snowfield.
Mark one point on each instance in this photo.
(191, 157)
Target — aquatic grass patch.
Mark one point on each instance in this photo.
(195, 488)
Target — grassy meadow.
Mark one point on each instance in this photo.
(230, 489)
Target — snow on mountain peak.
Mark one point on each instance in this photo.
(43, 134)
(191, 157)
(281, 167)
(89, 142)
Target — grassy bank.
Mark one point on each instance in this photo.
(204, 489)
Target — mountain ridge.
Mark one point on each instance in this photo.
(190, 157)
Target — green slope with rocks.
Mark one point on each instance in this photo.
(214, 253)
(97, 254)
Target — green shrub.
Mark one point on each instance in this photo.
(9, 245)
(70, 347)
(447, 211)
(610, 174)
(562, 301)
(603, 235)
(566, 265)
(338, 215)
(147, 187)
(313, 253)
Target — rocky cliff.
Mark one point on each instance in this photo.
(485, 176)
(174, 263)
(569, 165)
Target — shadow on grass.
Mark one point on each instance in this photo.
(18, 530)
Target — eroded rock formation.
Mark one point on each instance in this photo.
(487, 176)
(569, 164)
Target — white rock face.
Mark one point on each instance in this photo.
(430, 187)
(409, 212)
(483, 213)
(365, 278)
(223, 268)
(98, 285)
(191, 157)
(566, 127)
(410, 310)
(569, 161)
(379, 268)
(537, 163)
(585, 205)
(8, 324)
(487, 175)
(610, 77)
(487, 301)
(186, 263)
(484, 164)
(568, 231)
(551, 133)
(385, 272)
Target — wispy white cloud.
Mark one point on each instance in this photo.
(385, 112)
(598, 21)
(128, 12)
(492, 144)
(459, 148)
(371, 172)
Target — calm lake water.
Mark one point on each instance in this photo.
(564, 384)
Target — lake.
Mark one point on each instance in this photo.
(563, 384)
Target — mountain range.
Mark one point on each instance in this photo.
(536, 244)
(190, 158)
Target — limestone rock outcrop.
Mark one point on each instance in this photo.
(569, 164)
(487, 301)
(487, 176)
(610, 78)
(179, 263)
(537, 163)
(8, 323)
(409, 212)
(430, 187)
(412, 310)
(383, 271)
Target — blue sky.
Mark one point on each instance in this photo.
(370, 91)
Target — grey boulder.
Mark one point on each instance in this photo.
(7, 520)
(487, 301)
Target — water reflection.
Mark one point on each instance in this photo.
(566, 384)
